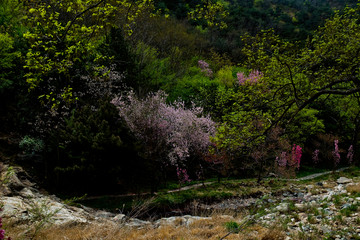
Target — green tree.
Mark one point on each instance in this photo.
(64, 40)
(212, 12)
(11, 14)
(294, 79)
(7, 57)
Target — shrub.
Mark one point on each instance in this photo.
(31, 145)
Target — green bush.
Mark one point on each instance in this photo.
(31, 146)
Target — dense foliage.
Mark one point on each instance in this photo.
(131, 94)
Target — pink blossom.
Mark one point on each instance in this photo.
(350, 154)
(241, 78)
(315, 156)
(204, 66)
(336, 153)
(282, 161)
(182, 175)
(296, 155)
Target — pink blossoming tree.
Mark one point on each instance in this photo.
(170, 133)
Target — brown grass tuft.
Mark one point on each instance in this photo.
(353, 188)
(274, 234)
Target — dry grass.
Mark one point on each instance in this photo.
(353, 188)
(201, 229)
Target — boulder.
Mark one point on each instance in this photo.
(283, 207)
(137, 223)
(301, 207)
(343, 180)
(119, 217)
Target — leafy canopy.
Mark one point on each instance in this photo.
(65, 36)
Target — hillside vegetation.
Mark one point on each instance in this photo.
(116, 97)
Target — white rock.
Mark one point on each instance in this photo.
(104, 214)
(325, 229)
(137, 223)
(339, 187)
(12, 206)
(301, 207)
(283, 207)
(192, 219)
(343, 180)
(313, 203)
(25, 192)
(119, 217)
(302, 216)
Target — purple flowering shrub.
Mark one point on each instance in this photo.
(296, 156)
(335, 153)
(253, 77)
(205, 68)
(325, 150)
(330, 150)
(182, 175)
(350, 154)
(2, 231)
(315, 156)
(6, 178)
(288, 162)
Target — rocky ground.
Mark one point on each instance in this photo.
(322, 210)
(327, 209)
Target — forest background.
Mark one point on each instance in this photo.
(123, 96)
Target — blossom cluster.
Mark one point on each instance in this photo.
(350, 154)
(182, 175)
(205, 68)
(336, 154)
(2, 232)
(282, 161)
(254, 77)
(290, 161)
(315, 156)
(296, 155)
